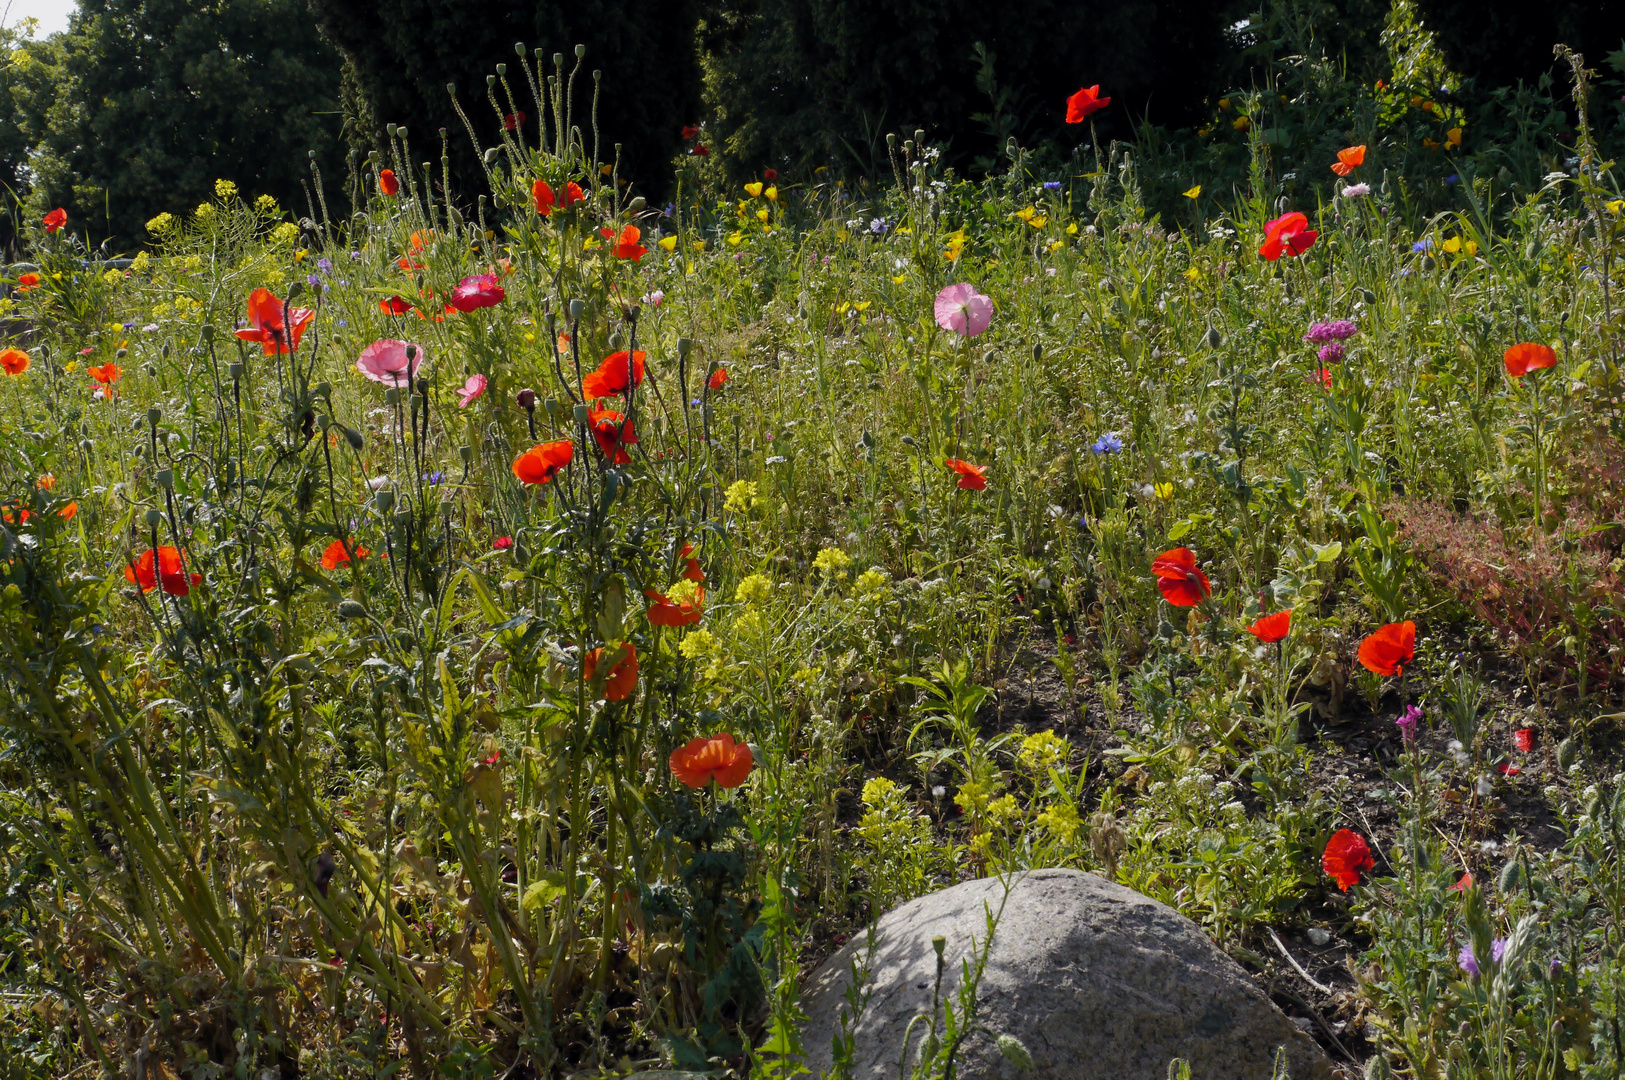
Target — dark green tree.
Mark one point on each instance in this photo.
(1501, 42)
(403, 54)
(152, 100)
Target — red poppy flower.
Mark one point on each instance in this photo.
(689, 131)
(1349, 159)
(477, 291)
(1464, 884)
(1182, 584)
(27, 282)
(1524, 739)
(572, 195)
(1272, 628)
(14, 361)
(693, 571)
(1324, 378)
(626, 245)
(971, 477)
(512, 121)
(1288, 234)
(770, 174)
(67, 512)
(265, 322)
(108, 374)
(1080, 106)
(502, 543)
(1387, 651)
(55, 219)
(613, 433)
(718, 377)
(335, 556)
(1346, 857)
(701, 151)
(1506, 768)
(718, 758)
(395, 305)
(1526, 356)
(664, 611)
(541, 463)
(542, 197)
(170, 575)
(612, 376)
(622, 677)
(15, 515)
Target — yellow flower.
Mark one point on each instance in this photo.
(1072, 229)
(605, 169)
(1453, 136)
(689, 269)
(898, 279)
(1224, 103)
(1039, 222)
(875, 791)
(1431, 144)
(1203, 132)
(683, 591)
(161, 224)
(1061, 821)
(1043, 749)
(1164, 490)
(1241, 123)
(1452, 245)
(1193, 273)
(772, 193)
(763, 214)
(224, 189)
(753, 190)
(735, 238)
(740, 497)
(697, 643)
(698, 245)
(1616, 206)
(668, 242)
(265, 204)
(531, 338)
(871, 581)
(1472, 247)
(840, 309)
(832, 561)
(1194, 193)
(755, 589)
(1053, 245)
(862, 305)
(1028, 213)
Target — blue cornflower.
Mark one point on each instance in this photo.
(1052, 185)
(313, 279)
(1108, 443)
(879, 226)
(435, 477)
(355, 255)
(324, 264)
(1452, 178)
(1424, 244)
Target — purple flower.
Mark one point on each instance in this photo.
(1468, 962)
(1424, 244)
(1331, 352)
(1355, 191)
(1408, 722)
(1337, 330)
(1052, 185)
(963, 310)
(325, 264)
(1499, 948)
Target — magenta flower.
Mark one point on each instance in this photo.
(477, 291)
(963, 310)
(1468, 962)
(1331, 352)
(472, 390)
(1408, 723)
(1339, 330)
(386, 362)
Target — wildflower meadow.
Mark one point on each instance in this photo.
(521, 631)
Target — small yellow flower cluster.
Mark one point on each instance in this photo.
(877, 790)
(224, 189)
(683, 591)
(973, 796)
(204, 213)
(697, 644)
(285, 233)
(1061, 821)
(956, 244)
(832, 562)
(755, 589)
(871, 581)
(740, 498)
(140, 263)
(805, 676)
(162, 224)
(266, 205)
(1042, 750)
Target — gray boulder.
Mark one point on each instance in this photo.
(1095, 979)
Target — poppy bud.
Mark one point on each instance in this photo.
(519, 49)
(166, 479)
(403, 520)
(491, 155)
(683, 345)
(490, 81)
(466, 453)
(1015, 1053)
(1565, 753)
(636, 205)
(581, 50)
(295, 289)
(987, 357)
(1368, 296)
(1214, 339)
(526, 399)
(119, 354)
(324, 389)
(154, 415)
(384, 500)
(908, 440)
(392, 396)
(582, 414)
(616, 342)
(323, 420)
(153, 518)
(353, 437)
(352, 609)
(235, 370)
(577, 308)
(1038, 352)
(502, 69)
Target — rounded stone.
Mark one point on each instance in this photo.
(1095, 980)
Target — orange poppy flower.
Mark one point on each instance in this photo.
(971, 477)
(1085, 103)
(1349, 159)
(1288, 234)
(1272, 628)
(108, 374)
(387, 182)
(395, 305)
(1182, 584)
(1526, 356)
(718, 377)
(265, 322)
(664, 611)
(626, 245)
(693, 572)
(14, 361)
(613, 376)
(15, 515)
(335, 556)
(67, 512)
(613, 433)
(55, 219)
(169, 575)
(1387, 651)
(1347, 856)
(541, 463)
(25, 282)
(46, 482)
(622, 677)
(719, 758)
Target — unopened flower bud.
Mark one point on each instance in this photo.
(1015, 1053)
(491, 156)
(154, 415)
(352, 609)
(577, 309)
(119, 354)
(353, 437)
(295, 290)
(581, 51)
(526, 399)
(166, 479)
(636, 205)
(384, 500)
(153, 518)
(683, 345)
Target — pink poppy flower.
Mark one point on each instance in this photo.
(472, 390)
(963, 310)
(386, 362)
(477, 291)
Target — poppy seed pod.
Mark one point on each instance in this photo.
(519, 49)
(353, 437)
(919, 136)
(577, 309)
(235, 370)
(526, 399)
(446, 506)
(908, 146)
(401, 131)
(384, 500)
(502, 69)
(154, 415)
(208, 332)
(403, 520)
(466, 453)
(891, 140)
(490, 81)
(352, 609)
(166, 479)
(153, 518)
(391, 129)
(552, 407)
(581, 51)
(582, 414)
(558, 59)
(392, 396)
(323, 420)
(683, 346)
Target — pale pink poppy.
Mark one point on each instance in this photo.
(385, 362)
(472, 390)
(963, 310)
